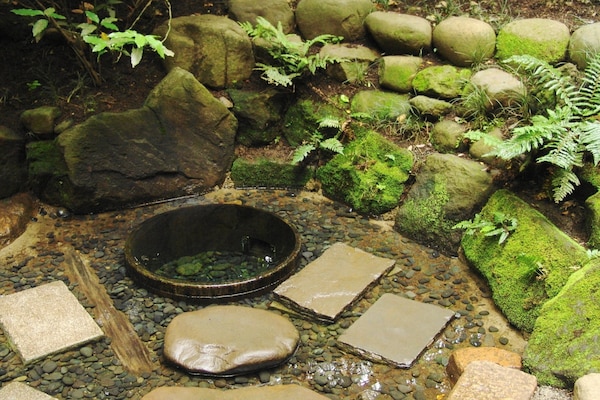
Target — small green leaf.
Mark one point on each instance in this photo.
(27, 12)
(108, 23)
(87, 29)
(39, 27)
(92, 16)
(136, 56)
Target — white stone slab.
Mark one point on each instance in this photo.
(330, 284)
(21, 391)
(45, 320)
(395, 330)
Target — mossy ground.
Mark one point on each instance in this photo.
(530, 267)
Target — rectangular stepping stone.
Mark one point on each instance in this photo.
(395, 330)
(485, 380)
(21, 391)
(45, 320)
(333, 282)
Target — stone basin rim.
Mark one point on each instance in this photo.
(201, 292)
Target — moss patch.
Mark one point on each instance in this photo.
(530, 267)
(565, 343)
(369, 176)
(302, 119)
(266, 173)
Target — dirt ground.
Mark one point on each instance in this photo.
(47, 73)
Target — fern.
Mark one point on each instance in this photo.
(568, 132)
(291, 58)
(333, 145)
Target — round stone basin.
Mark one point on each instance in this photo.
(212, 252)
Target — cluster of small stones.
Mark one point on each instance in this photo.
(93, 371)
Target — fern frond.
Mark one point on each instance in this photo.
(590, 138)
(526, 138)
(333, 145)
(302, 152)
(329, 121)
(565, 150)
(590, 89)
(563, 183)
(273, 76)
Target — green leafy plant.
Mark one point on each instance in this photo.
(318, 140)
(291, 58)
(565, 135)
(94, 32)
(501, 226)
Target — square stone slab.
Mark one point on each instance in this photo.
(395, 330)
(45, 320)
(21, 391)
(330, 284)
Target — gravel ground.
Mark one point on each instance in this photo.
(93, 371)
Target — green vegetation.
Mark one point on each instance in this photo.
(500, 226)
(95, 29)
(318, 141)
(291, 57)
(567, 134)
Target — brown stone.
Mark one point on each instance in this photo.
(460, 358)
(15, 213)
(485, 380)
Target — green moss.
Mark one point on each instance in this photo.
(530, 267)
(369, 176)
(425, 219)
(302, 119)
(509, 44)
(565, 343)
(267, 173)
(443, 81)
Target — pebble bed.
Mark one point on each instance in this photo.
(93, 371)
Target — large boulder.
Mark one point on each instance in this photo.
(564, 344)
(180, 142)
(274, 11)
(584, 44)
(541, 38)
(447, 190)
(357, 59)
(399, 33)
(335, 17)
(464, 41)
(213, 48)
(397, 72)
(12, 162)
(380, 105)
(530, 267)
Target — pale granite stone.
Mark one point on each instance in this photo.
(331, 283)
(45, 320)
(22, 391)
(485, 380)
(229, 340)
(587, 387)
(460, 358)
(395, 330)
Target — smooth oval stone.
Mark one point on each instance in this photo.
(229, 340)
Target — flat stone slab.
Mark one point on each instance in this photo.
(21, 391)
(395, 330)
(45, 320)
(333, 282)
(485, 380)
(279, 392)
(229, 340)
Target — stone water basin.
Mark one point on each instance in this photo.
(212, 253)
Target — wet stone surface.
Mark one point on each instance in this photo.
(93, 370)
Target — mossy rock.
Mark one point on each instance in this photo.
(441, 81)
(380, 105)
(541, 38)
(268, 173)
(530, 267)
(302, 119)
(369, 176)
(592, 204)
(564, 344)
